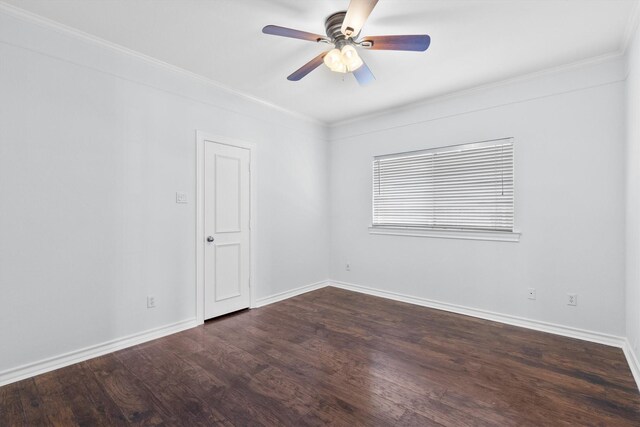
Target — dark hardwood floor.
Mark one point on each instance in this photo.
(339, 358)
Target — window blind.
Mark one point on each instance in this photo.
(465, 187)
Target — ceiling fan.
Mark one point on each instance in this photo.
(343, 29)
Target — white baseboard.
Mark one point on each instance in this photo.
(537, 325)
(632, 360)
(57, 362)
(567, 331)
(50, 364)
(53, 363)
(261, 302)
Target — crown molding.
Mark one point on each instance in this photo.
(630, 34)
(631, 28)
(483, 87)
(41, 21)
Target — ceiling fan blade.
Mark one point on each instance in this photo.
(364, 75)
(418, 42)
(307, 68)
(290, 32)
(357, 14)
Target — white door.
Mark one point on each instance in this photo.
(226, 229)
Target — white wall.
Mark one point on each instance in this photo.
(569, 152)
(94, 144)
(633, 194)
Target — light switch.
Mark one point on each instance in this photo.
(181, 197)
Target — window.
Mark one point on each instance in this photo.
(458, 188)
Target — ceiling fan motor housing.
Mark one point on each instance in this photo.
(333, 26)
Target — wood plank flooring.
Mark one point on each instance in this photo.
(333, 357)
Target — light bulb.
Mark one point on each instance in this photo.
(333, 60)
(340, 68)
(350, 58)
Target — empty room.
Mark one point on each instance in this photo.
(319, 212)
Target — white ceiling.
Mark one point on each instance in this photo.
(473, 42)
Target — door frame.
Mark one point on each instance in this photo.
(201, 139)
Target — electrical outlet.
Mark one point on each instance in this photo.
(181, 197)
(347, 267)
(151, 302)
(572, 299)
(531, 293)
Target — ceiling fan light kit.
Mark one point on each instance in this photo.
(343, 60)
(343, 29)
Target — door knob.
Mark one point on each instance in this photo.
(210, 239)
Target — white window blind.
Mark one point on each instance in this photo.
(464, 187)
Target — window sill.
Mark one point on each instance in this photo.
(498, 236)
